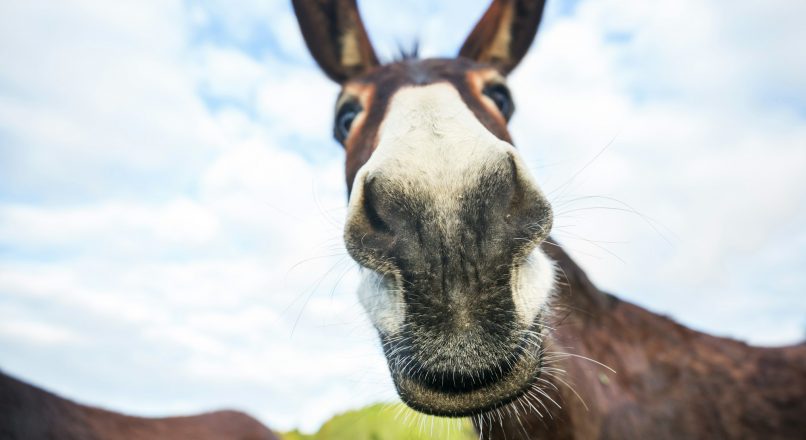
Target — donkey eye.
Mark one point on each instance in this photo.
(344, 120)
(499, 93)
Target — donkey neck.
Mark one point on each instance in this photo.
(669, 381)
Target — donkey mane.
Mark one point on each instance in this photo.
(407, 53)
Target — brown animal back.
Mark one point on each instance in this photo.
(30, 413)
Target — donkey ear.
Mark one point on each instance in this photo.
(336, 37)
(503, 35)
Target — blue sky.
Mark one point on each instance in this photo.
(171, 200)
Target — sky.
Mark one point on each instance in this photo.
(171, 199)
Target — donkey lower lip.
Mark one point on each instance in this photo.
(451, 401)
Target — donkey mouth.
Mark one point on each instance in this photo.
(454, 394)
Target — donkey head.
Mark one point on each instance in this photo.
(443, 214)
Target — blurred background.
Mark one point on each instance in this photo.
(171, 199)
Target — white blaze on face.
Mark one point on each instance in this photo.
(432, 146)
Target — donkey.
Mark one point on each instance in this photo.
(479, 312)
(30, 413)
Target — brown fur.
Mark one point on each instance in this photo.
(30, 413)
(671, 382)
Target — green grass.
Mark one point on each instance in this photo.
(384, 421)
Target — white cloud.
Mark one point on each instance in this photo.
(127, 227)
(101, 90)
(40, 333)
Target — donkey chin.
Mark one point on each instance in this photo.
(459, 343)
(466, 355)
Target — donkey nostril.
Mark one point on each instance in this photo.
(368, 233)
(372, 206)
(527, 212)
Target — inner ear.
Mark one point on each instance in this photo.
(336, 37)
(503, 35)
